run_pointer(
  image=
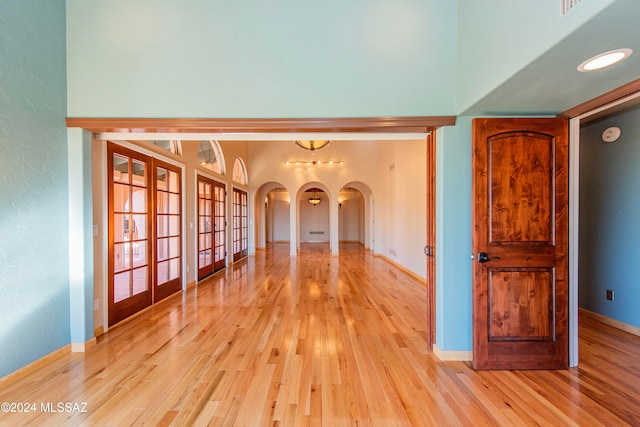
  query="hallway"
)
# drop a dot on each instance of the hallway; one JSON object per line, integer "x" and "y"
{"x": 314, "y": 340}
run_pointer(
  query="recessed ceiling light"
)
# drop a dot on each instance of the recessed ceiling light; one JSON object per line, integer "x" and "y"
{"x": 605, "y": 59}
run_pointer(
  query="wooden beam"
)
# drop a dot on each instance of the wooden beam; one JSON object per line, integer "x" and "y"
{"x": 264, "y": 125}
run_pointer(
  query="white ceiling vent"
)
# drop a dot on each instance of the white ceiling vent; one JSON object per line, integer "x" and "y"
{"x": 566, "y": 5}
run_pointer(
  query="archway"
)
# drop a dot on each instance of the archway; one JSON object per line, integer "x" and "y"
{"x": 313, "y": 218}
{"x": 355, "y": 214}
{"x": 272, "y": 214}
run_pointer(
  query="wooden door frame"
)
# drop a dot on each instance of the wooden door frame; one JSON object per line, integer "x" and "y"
{"x": 240, "y": 192}
{"x": 215, "y": 183}
{"x": 431, "y": 239}
{"x": 604, "y": 104}
{"x": 388, "y": 124}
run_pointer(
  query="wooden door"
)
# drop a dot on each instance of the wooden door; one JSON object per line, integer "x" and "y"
{"x": 168, "y": 232}
{"x": 520, "y": 243}
{"x": 219, "y": 226}
{"x": 211, "y": 227}
{"x": 129, "y": 233}
{"x": 240, "y": 225}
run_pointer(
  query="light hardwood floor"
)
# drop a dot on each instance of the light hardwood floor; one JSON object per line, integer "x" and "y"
{"x": 315, "y": 340}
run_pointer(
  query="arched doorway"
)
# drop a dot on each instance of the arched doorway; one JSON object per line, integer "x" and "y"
{"x": 272, "y": 215}
{"x": 313, "y": 215}
{"x": 355, "y": 214}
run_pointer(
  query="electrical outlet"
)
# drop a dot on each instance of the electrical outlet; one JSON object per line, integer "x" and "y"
{"x": 609, "y": 294}
{"x": 96, "y": 304}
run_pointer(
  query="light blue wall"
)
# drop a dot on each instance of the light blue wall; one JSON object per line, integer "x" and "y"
{"x": 254, "y": 58}
{"x": 34, "y": 278}
{"x": 609, "y": 247}
{"x": 498, "y": 38}
{"x": 453, "y": 237}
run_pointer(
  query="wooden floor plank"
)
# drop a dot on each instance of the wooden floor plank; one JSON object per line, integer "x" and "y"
{"x": 314, "y": 340}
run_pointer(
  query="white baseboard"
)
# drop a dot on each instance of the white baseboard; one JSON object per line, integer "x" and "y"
{"x": 452, "y": 356}
{"x": 611, "y": 322}
{"x": 81, "y": 347}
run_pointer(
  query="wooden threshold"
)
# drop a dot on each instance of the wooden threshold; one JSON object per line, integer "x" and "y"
{"x": 262, "y": 125}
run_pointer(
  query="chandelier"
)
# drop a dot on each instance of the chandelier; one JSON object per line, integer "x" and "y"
{"x": 312, "y": 144}
{"x": 315, "y": 199}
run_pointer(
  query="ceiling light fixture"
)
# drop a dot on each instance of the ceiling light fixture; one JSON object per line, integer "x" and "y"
{"x": 604, "y": 60}
{"x": 315, "y": 199}
{"x": 312, "y": 144}
{"x": 313, "y": 162}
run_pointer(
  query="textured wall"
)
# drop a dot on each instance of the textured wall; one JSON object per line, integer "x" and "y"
{"x": 34, "y": 277}
{"x": 251, "y": 58}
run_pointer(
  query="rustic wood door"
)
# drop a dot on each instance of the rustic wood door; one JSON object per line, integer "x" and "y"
{"x": 520, "y": 244}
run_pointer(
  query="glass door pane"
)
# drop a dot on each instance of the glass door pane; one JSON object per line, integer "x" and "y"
{"x": 219, "y": 226}
{"x": 211, "y": 227}
{"x": 168, "y": 215}
{"x": 205, "y": 227}
{"x": 240, "y": 224}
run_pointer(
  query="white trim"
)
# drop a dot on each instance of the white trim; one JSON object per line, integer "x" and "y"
{"x": 574, "y": 214}
{"x": 81, "y": 347}
{"x": 283, "y": 136}
{"x": 452, "y": 356}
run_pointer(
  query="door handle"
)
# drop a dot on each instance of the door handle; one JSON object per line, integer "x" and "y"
{"x": 429, "y": 251}
{"x": 484, "y": 257}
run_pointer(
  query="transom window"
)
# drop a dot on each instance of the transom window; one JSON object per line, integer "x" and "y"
{"x": 174, "y": 146}
{"x": 210, "y": 156}
{"x": 240, "y": 172}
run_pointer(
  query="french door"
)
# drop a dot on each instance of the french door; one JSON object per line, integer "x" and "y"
{"x": 168, "y": 233}
{"x": 212, "y": 227}
{"x": 240, "y": 225}
{"x": 145, "y": 236}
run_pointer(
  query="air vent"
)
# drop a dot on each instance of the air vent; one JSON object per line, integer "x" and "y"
{"x": 566, "y": 5}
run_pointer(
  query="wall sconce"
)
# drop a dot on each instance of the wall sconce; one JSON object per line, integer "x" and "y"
{"x": 339, "y": 205}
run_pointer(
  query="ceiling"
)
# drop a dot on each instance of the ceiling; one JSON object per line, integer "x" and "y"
{"x": 551, "y": 84}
